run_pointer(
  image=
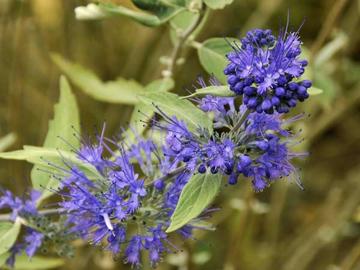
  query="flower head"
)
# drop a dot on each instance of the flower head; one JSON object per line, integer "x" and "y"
{"x": 259, "y": 150}
{"x": 125, "y": 208}
{"x": 265, "y": 69}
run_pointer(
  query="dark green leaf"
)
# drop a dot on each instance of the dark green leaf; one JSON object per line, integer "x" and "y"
{"x": 197, "y": 194}
{"x": 119, "y": 91}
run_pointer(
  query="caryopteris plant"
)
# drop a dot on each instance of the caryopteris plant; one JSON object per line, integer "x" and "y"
{"x": 130, "y": 193}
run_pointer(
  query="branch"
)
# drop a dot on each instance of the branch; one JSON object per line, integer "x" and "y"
{"x": 182, "y": 39}
{"x": 45, "y": 212}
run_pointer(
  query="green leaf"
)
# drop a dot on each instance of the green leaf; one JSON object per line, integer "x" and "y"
{"x": 23, "y": 262}
{"x": 184, "y": 110}
{"x": 220, "y": 91}
{"x": 120, "y": 91}
{"x": 159, "y": 11}
{"x": 42, "y": 156}
{"x": 142, "y": 110}
{"x": 184, "y": 19}
{"x": 66, "y": 120}
{"x": 217, "y": 4}
{"x": 323, "y": 80}
{"x": 180, "y": 22}
{"x": 197, "y": 194}
{"x": 212, "y": 56}
{"x": 3, "y": 258}
{"x": 7, "y": 141}
{"x": 313, "y": 91}
{"x": 8, "y": 235}
{"x": 160, "y": 85}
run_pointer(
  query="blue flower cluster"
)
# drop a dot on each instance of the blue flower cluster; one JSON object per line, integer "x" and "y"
{"x": 123, "y": 210}
{"x": 265, "y": 69}
{"x": 23, "y": 209}
{"x": 258, "y": 150}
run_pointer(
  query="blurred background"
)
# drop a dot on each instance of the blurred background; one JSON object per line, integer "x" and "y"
{"x": 280, "y": 228}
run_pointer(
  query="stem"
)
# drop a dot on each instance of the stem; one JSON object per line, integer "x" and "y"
{"x": 6, "y": 217}
{"x": 170, "y": 174}
{"x": 241, "y": 120}
{"x": 182, "y": 39}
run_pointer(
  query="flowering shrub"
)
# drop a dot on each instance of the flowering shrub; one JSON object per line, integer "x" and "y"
{"x": 127, "y": 195}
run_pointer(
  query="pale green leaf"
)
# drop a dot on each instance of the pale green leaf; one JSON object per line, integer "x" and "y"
{"x": 330, "y": 87}
{"x": 3, "y": 259}
{"x": 183, "y": 20}
{"x": 141, "y": 17}
{"x": 119, "y": 91}
{"x": 217, "y": 4}
{"x": 66, "y": 121}
{"x": 219, "y": 91}
{"x": 184, "y": 110}
{"x": 180, "y": 22}
{"x": 44, "y": 156}
{"x": 197, "y": 194}
{"x": 8, "y": 235}
{"x": 159, "y": 12}
{"x": 212, "y": 56}
{"x": 160, "y": 85}
{"x": 7, "y": 141}
{"x": 143, "y": 111}
{"x": 313, "y": 91}
{"x": 23, "y": 262}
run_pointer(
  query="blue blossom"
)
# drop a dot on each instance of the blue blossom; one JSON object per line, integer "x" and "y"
{"x": 221, "y": 107}
{"x": 18, "y": 206}
{"x": 258, "y": 38}
{"x": 33, "y": 240}
{"x": 15, "y": 250}
{"x": 265, "y": 69}
{"x": 259, "y": 150}
{"x": 128, "y": 208}
{"x": 24, "y": 209}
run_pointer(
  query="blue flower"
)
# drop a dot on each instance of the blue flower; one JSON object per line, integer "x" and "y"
{"x": 33, "y": 240}
{"x": 19, "y": 207}
{"x": 132, "y": 252}
{"x": 24, "y": 209}
{"x": 129, "y": 207}
{"x": 265, "y": 69}
{"x": 258, "y": 38}
{"x": 258, "y": 150}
